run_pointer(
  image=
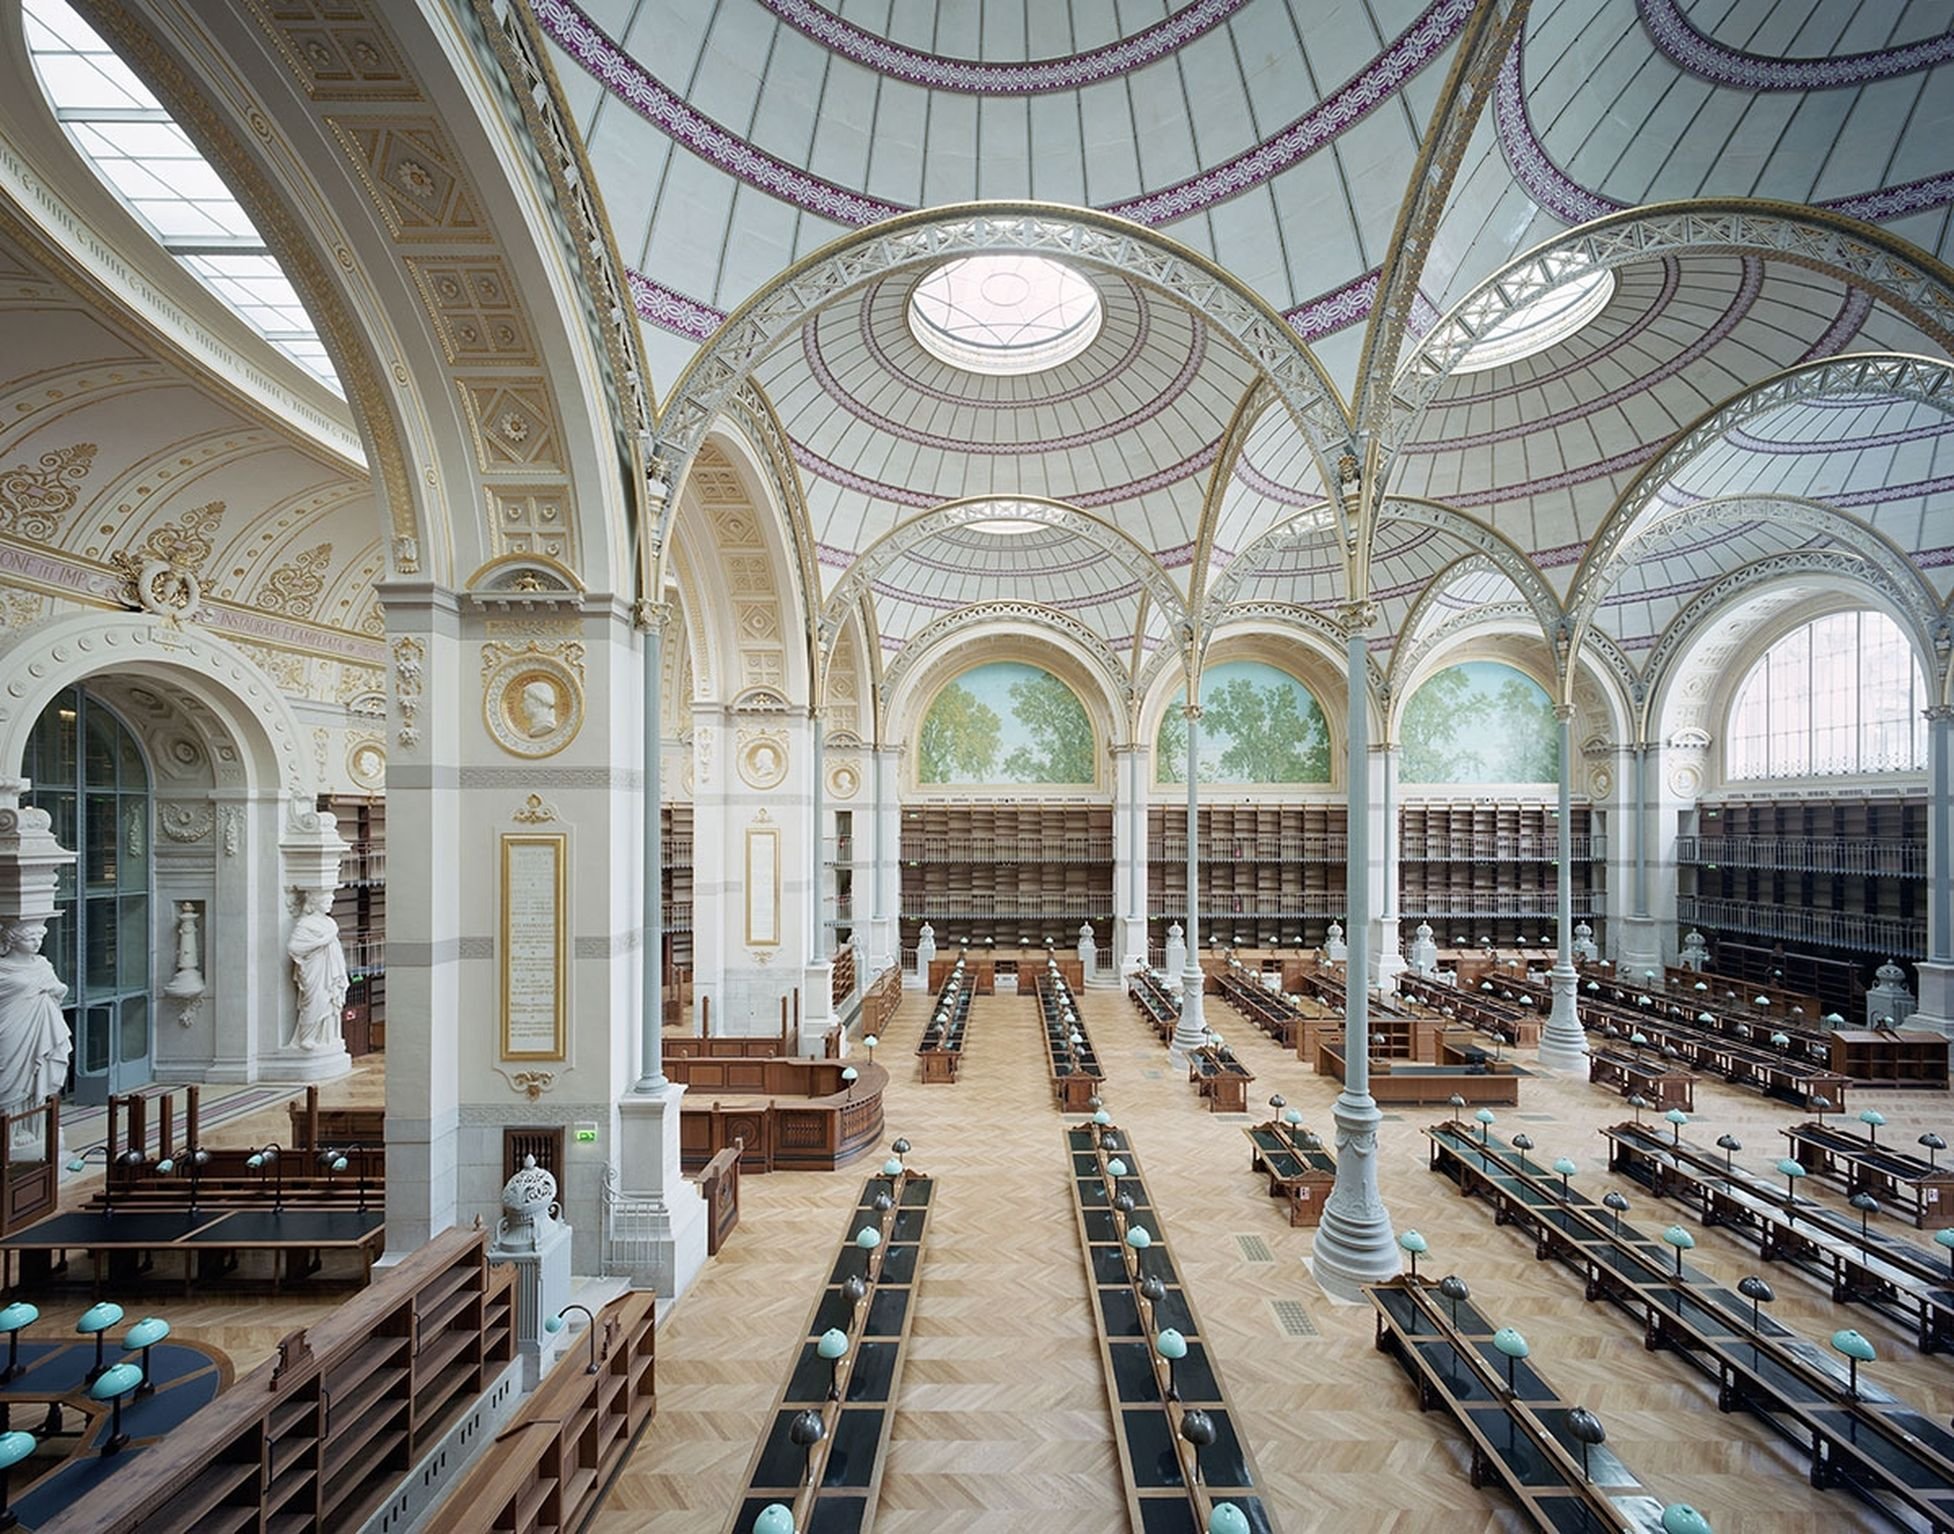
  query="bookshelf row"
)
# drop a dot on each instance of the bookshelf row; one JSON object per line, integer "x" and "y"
{"x": 359, "y": 906}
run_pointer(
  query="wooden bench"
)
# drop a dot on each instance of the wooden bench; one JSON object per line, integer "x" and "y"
{"x": 1856, "y": 1263}
{"x": 1165, "y": 1488}
{"x": 837, "y": 1482}
{"x": 1519, "y": 1431}
{"x": 1300, "y": 1170}
{"x": 1896, "y": 1457}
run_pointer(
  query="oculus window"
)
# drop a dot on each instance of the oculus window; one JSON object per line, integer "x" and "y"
{"x": 1838, "y": 696}
{"x": 1005, "y": 314}
{"x": 150, "y": 164}
{"x": 1545, "y": 321}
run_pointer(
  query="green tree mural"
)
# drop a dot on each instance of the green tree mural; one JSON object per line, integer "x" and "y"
{"x": 959, "y": 738}
{"x": 1258, "y": 725}
{"x": 1061, "y": 747}
{"x": 1480, "y": 722}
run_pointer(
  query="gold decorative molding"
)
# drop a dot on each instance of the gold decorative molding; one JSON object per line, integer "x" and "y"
{"x": 532, "y": 696}
{"x": 535, "y": 811}
{"x": 34, "y": 498}
{"x": 294, "y": 586}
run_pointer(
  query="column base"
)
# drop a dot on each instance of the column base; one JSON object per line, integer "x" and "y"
{"x": 1354, "y": 1244}
{"x": 1936, "y": 1009}
{"x": 648, "y": 1161}
{"x": 1130, "y": 944}
{"x": 1563, "y": 1042}
{"x": 1640, "y": 945}
{"x": 817, "y": 1009}
{"x": 1387, "y": 963}
{"x": 1191, "y": 1032}
{"x": 305, "y": 1065}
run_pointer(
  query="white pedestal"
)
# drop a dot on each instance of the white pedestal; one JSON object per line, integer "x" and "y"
{"x": 307, "y": 1065}
{"x": 648, "y": 1164}
{"x": 1936, "y": 1009}
{"x": 817, "y": 1009}
{"x": 542, "y": 1289}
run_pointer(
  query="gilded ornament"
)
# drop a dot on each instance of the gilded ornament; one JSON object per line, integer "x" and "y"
{"x": 532, "y": 696}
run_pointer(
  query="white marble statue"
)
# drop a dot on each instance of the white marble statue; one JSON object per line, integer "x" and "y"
{"x": 34, "y": 1042}
{"x": 319, "y": 971}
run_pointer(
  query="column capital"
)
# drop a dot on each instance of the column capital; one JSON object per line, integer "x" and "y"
{"x": 1190, "y": 711}
{"x": 1564, "y": 712}
{"x": 1938, "y": 713}
{"x": 1357, "y": 617}
{"x": 1129, "y": 748}
{"x": 650, "y": 617}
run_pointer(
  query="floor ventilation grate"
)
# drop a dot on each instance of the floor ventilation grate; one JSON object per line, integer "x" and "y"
{"x": 1536, "y": 1118}
{"x": 1293, "y": 1319}
{"x": 1255, "y": 1249}
{"x": 1154, "y": 1075}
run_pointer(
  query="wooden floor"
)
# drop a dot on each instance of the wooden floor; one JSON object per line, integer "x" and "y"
{"x": 1002, "y": 1424}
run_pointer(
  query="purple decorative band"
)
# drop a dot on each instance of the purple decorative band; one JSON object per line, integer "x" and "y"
{"x": 1881, "y": 495}
{"x": 1634, "y": 458}
{"x": 631, "y": 83}
{"x": 1845, "y": 325}
{"x": 902, "y": 495}
{"x": 1341, "y": 307}
{"x": 1934, "y": 559}
{"x": 1370, "y": 87}
{"x": 1740, "y": 305}
{"x": 1559, "y": 556}
{"x": 951, "y": 604}
{"x": 1704, "y": 56}
{"x": 1035, "y": 76}
{"x": 1738, "y": 437}
{"x": 624, "y": 77}
{"x": 873, "y": 343}
{"x": 1263, "y": 485}
{"x": 1567, "y": 200}
{"x": 671, "y": 310}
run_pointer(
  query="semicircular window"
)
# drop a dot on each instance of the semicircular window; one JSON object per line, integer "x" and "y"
{"x": 1005, "y": 314}
{"x": 1546, "y": 321}
{"x": 1837, "y": 696}
{"x": 1480, "y": 722}
{"x": 149, "y": 162}
{"x": 1259, "y": 725}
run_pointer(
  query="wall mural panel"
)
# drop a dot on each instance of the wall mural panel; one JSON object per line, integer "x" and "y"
{"x": 1007, "y": 722}
{"x": 1258, "y": 725}
{"x": 1480, "y": 722}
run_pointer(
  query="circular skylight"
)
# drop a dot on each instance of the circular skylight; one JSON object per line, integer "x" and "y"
{"x": 1533, "y": 327}
{"x": 1004, "y": 314}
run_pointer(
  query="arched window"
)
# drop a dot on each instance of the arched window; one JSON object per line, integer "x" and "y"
{"x": 1840, "y": 695}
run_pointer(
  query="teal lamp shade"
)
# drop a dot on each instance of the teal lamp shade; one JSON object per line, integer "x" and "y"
{"x": 1942, "y": 1237}
{"x": 892, "y": 1168}
{"x": 833, "y": 1344}
{"x": 1705, "y": 1017}
{"x": 17, "y": 1315}
{"x": 1138, "y": 1237}
{"x": 1566, "y": 1166}
{"x": 339, "y": 1162}
{"x": 1854, "y": 1346}
{"x": 1700, "y": 986}
{"x": 1760, "y": 1001}
{"x": 775, "y": 1518}
{"x": 1681, "y": 1518}
{"x": 1832, "y": 1020}
{"x": 1116, "y": 1168}
{"x": 870, "y": 1040}
{"x": 1170, "y": 1344}
{"x": 166, "y": 1166}
{"x": 1789, "y": 1168}
{"x": 146, "y": 1333}
{"x": 1101, "y": 1116}
{"x": 1227, "y": 1519}
{"x": 1485, "y": 1115}
{"x": 1677, "y": 1117}
{"x": 1594, "y": 985}
{"x": 116, "y": 1380}
{"x": 554, "y": 1324}
{"x": 1872, "y": 1117}
{"x": 75, "y": 1163}
{"x": 1291, "y": 1117}
{"x": 1781, "y": 1039}
{"x": 849, "y": 1073}
{"x": 1510, "y": 1342}
{"x": 15, "y": 1447}
{"x": 868, "y": 1238}
{"x": 1679, "y": 1238}
{"x": 1638, "y": 1038}
{"x": 98, "y": 1318}
{"x": 1413, "y": 1241}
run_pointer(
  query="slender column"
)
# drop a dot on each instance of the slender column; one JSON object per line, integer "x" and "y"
{"x": 651, "y": 1022}
{"x": 817, "y": 944}
{"x": 1387, "y": 956}
{"x": 1642, "y": 829}
{"x": 1563, "y": 1046}
{"x": 1936, "y": 973}
{"x": 1354, "y": 1244}
{"x": 1192, "y": 1029}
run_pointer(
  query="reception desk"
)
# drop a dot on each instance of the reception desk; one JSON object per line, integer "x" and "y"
{"x": 795, "y": 1114}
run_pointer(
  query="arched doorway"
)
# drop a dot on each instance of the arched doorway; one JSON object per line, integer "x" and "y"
{"x": 90, "y": 775}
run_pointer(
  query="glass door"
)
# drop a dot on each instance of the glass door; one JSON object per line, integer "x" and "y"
{"x": 89, "y": 774}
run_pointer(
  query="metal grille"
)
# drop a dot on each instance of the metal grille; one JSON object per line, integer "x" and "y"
{"x": 633, "y": 1222}
{"x": 1255, "y": 1249}
{"x": 1293, "y": 1319}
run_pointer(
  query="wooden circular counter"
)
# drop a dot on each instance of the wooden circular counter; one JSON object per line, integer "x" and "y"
{"x": 795, "y": 1113}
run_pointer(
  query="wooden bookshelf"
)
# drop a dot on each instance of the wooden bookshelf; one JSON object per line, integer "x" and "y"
{"x": 1015, "y": 873}
{"x": 316, "y": 1438}
{"x": 360, "y": 907}
{"x": 1811, "y": 894}
{"x": 1484, "y": 868}
{"x": 1272, "y": 876}
{"x": 675, "y": 821}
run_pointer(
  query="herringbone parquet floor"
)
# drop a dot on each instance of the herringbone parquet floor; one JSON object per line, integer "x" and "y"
{"x": 1003, "y": 1425}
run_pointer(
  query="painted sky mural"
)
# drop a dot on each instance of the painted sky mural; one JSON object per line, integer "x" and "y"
{"x": 1480, "y": 722}
{"x": 1006, "y": 722}
{"x": 1258, "y": 725}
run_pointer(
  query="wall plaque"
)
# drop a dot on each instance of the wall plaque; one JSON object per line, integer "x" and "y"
{"x": 535, "y": 928}
{"x": 762, "y": 886}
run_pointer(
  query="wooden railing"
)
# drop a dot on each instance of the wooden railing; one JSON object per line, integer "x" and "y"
{"x": 842, "y": 985}
{"x": 313, "y": 1440}
{"x": 550, "y": 1467}
{"x": 880, "y": 1000}
{"x": 719, "y": 1186}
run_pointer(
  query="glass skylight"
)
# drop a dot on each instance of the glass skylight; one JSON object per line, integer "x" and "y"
{"x": 153, "y": 168}
{"x": 1534, "y": 327}
{"x": 1005, "y": 314}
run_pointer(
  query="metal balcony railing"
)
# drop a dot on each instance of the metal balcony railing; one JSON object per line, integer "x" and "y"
{"x": 676, "y": 851}
{"x": 1583, "y": 848}
{"x": 1895, "y": 937}
{"x": 1325, "y": 848}
{"x": 1806, "y": 854}
{"x": 1510, "y": 905}
{"x": 363, "y": 863}
{"x": 1007, "y": 849}
{"x": 994, "y": 913}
